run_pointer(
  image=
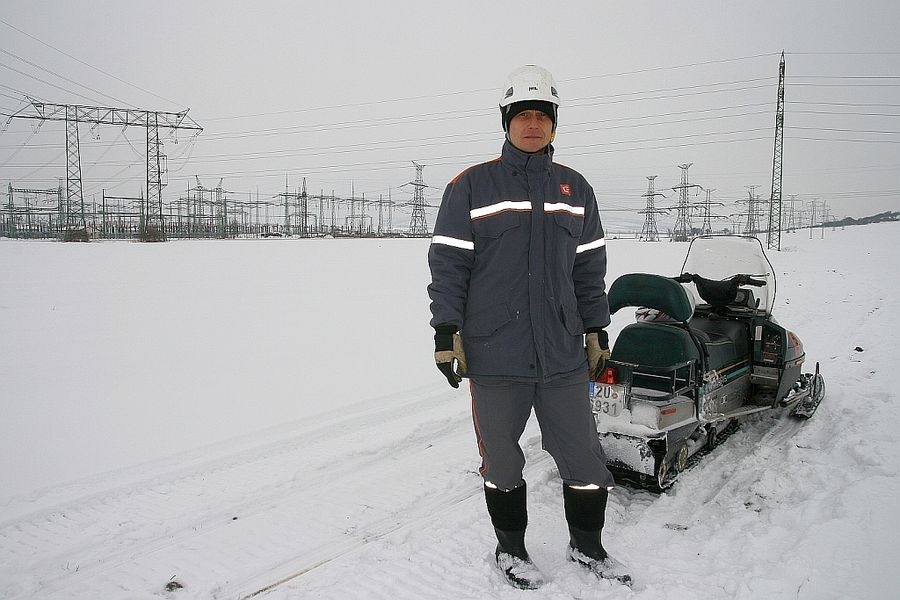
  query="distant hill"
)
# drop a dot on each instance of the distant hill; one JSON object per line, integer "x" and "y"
{"x": 879, "y": 218}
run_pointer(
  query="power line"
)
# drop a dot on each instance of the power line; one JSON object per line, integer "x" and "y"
{"x": 78, "y": 60}
{"x": 675, "y": 67}
{"x": 734, "y": 134}
{"x": 844, "y": 140}
{"x": 847, "y": 53}
{"x": 53, "y": 85}
{"x": 64, "y": 78}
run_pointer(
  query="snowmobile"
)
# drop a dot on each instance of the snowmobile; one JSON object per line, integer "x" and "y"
{"x": 703, "y": 354}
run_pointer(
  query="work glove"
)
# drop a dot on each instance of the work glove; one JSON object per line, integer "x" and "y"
{"x": 449, "y": 355}
{"x": 596, "y": 343}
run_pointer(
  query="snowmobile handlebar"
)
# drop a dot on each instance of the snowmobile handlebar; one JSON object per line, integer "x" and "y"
{"x": 748, "y": 280}
{"x": 719, "y": 293}
{"x": 739, "y": 280}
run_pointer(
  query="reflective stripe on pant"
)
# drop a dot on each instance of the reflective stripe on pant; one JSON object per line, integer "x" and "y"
{"x": 500, "y": 411}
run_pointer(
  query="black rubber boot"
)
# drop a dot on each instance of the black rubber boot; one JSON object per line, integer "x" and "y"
{"x": 509, "y": 516}
{"x": 586, "y": 515}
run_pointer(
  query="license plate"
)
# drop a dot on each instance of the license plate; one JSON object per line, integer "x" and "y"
{"x": 608, "y": 399}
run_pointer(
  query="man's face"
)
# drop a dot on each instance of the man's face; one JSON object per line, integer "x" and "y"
{"x": 530, "y": 130}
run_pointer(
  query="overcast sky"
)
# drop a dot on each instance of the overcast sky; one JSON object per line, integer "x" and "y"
{"x": 348, "y": 93}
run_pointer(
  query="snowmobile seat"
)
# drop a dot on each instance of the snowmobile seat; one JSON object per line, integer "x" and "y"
{"x": 727, "y": 342}
{"x": 663, "y": 345}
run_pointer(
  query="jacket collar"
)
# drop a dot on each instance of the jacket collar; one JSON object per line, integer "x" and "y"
{"x": 523, "y": 161}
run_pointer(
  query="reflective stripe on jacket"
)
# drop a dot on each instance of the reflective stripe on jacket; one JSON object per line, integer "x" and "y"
{"x": 518, "y": 261}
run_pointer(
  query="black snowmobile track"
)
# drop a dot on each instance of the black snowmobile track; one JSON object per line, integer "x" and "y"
{"x": 650, "y": 484}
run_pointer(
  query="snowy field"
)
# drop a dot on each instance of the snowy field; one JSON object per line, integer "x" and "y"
{"x": 263, "y": 418}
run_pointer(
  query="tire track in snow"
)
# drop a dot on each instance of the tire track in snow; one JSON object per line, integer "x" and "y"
{"x": 431, "y": 507}
{"x": 261, "y": 584}
{"x": 729, "y": 470}
{"x": 172, "y": 509}
{"x": 738, "y": 460}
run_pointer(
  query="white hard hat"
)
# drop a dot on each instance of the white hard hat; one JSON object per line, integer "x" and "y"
{"x": 528, "y": 88}
{"x": 530, "y": 82}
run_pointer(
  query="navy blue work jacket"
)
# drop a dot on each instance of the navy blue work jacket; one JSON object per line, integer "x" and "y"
{"x": 518, "y": 261}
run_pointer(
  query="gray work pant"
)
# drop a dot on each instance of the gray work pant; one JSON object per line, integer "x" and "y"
{"x": 500, "y": 411}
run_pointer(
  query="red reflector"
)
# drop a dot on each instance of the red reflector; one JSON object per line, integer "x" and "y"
{"x": 608, "y": 376}
{"x": 668, "y": 411}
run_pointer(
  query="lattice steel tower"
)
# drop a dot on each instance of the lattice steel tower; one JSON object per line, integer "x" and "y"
{"x": 650, "y": 233}
{"x": 791, "y": 224}
{"x": 752, "y": 226}
{"x": 706, "y": 228}
{"x": 417, "y": 223}
{"x": 683, "y": 227}
{"x": 74, "y": 226}
{"x": 773, "y": 238}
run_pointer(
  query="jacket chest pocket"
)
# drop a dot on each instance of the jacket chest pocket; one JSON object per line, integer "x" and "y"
{"x": 571, "y": 224}
{"x": 495, "y": 226}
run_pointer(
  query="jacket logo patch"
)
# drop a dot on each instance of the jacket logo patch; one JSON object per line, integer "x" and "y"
{"x": 565, "y": 189}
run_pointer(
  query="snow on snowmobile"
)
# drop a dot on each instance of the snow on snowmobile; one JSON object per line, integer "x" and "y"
{"x": 704, "y": 353}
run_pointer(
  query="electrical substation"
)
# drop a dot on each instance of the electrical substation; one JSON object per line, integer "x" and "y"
{"x": 206, "y": 210}
{"x": 200, "y": 211}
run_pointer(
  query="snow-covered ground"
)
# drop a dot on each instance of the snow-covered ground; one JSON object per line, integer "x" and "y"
{"x": 263, "y": 419}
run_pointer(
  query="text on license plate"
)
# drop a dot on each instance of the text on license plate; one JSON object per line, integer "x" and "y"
{"x": 608, "y": 399}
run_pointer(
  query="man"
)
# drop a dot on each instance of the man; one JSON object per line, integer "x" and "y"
{"x": 518, "y": 261}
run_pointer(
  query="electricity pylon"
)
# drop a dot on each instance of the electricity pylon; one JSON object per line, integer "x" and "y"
{"x": 683, "y": 228}
{"x": 752, "y": 226}
{"x": 706, "y": 228}
{"x": 773, "y": 238}
{"x": 791, "y": 224}
{"x": 417, "y": 223}
{"x": 650, "y": 233}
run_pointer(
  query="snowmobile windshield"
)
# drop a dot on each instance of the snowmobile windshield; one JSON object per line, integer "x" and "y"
{"x": 723, "y": 257}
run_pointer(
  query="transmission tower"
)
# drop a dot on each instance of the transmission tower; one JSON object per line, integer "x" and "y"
{"x": 417, "y": 223}
{"x": 384, "y": 221}
{"x": 75, "y": 227}
{"x": 812, "y": 216}
{"x": 706, "y": 228}
{"x": 792, "y": 218}
{"x": 773, "y": 238}
{"x": 304, "y": 210}
{"x": 650, "y": 233}
{"x": 683, "y": 228}
{"x": 752, "y": 225}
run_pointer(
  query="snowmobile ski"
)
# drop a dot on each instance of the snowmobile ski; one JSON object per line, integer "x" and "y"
{"x": 806, "y": 407}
